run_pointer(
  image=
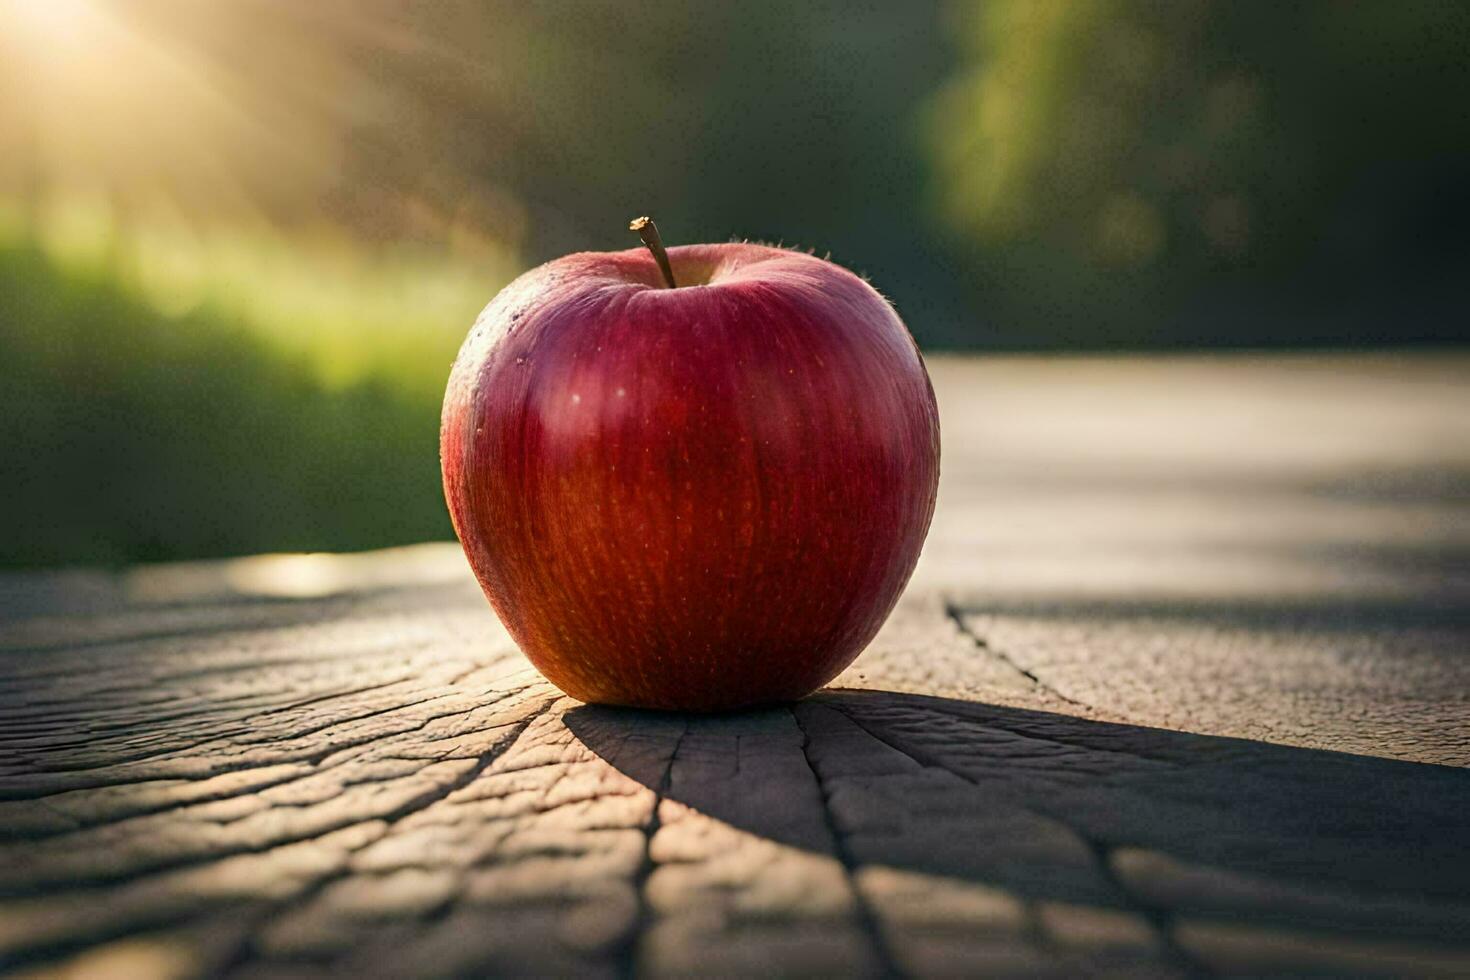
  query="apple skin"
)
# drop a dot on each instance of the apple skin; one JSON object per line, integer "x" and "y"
{"x": 700, "y": 498}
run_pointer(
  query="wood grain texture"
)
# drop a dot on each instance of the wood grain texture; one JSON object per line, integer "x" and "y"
{"x": 1180, "y": 689}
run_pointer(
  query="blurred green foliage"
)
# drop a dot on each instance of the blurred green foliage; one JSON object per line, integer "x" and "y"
{"x": 125, "y": 435}
{"x": 240, "y": 241}
{"x": 1138, "y": 172}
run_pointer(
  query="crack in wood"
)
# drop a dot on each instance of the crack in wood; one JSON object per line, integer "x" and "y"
{"x": 627, "y": 955}
{"x": 957, "y": 616}
{"x": 1021, "y": 731}
{"x": 412, "y": 807}
{"x": 43, "y": 953}
{"x": 868, "y": 920}
{"x": 1159, "y": 919}
{"x": 314, "y": 758}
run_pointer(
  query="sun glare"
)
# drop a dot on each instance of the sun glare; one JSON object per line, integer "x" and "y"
{"x": 54, "y": 28}
{"x": 184, "y": 151}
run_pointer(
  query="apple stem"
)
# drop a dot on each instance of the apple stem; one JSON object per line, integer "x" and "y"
{"x": 648, "y": 231}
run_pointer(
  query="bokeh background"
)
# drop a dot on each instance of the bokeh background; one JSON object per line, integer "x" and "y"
{"x": 240, "y": 241}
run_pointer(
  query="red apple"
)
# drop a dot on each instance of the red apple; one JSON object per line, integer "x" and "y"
{"x": 698, "y": 497}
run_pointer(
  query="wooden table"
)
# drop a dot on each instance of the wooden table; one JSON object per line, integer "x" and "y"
{"x": 1182, "y": 687}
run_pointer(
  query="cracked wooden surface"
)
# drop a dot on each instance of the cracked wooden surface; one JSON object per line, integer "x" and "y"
{"x": 1182, "y": 693}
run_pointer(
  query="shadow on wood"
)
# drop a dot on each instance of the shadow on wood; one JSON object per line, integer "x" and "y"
{"x": 1046, "y": 808}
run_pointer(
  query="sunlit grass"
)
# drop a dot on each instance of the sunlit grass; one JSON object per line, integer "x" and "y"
{"x": 172, "y": 389}
{"x": 351, "y": 311}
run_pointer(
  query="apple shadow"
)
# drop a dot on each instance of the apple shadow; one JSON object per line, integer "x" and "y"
{"x": 1050, "y": 807}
